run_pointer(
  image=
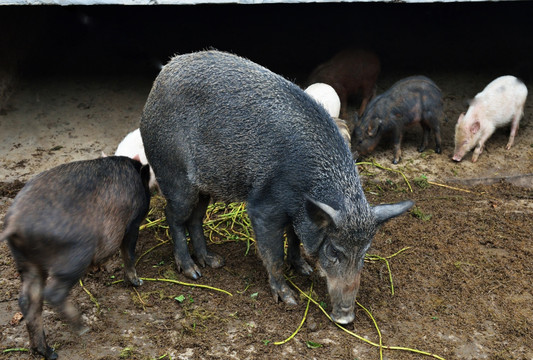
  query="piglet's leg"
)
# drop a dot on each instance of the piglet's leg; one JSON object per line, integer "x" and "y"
{"x": 56, "y": 293}
{"x": 127, "y": 249}
{"x": 477, "y": 151}
{"x": 31, "y": 305}
{"x": 398, "y": 136}
{"x": 514, "y": 130}
{"x": 425, "y": 138}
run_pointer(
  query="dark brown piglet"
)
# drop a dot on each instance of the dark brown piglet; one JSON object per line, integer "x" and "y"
{"x": 410, "y": 101}
{"x": 352, "y": 73}
{"x": 67, "y": 219}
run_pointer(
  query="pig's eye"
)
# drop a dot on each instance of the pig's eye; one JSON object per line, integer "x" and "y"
{"x": 333, "y": 253}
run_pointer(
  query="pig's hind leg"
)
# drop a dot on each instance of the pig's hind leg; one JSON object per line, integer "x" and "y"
{"x": 425, "y": 137}
{"x": 196, "y": 231}
{"x": 31, "y": 305}
{"x": 426, "y": 127}
{"x": 514, "y": 129}
{"x": 182, "y": 199}
{"x": 127, "y": 249}
{"x": 56, "y": 292}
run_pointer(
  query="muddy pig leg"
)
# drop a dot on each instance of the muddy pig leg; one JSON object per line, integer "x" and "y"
{"x": 489, "y": 130}
{"x": 31, "y": 305}
{"x": 477, "y": 151}
{"x": 127, "y": 249}
{"x": 269, "y": 227}
{"x": 397, "y": 136}
{"x": 294, "y": 256}
{"x": 196, "y": 231}
{"x": 438, "y": 140}
{"x": 514, "y": 130}
{"x": 366, "y": 98}
{"x": 182, "y": 198}
{"x": 56, "y": 293}
{"x": 425, "y": 137}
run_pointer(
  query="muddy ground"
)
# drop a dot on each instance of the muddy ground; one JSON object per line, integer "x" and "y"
{"x": 462, "y": 286}
{"x": 462, "y": 290}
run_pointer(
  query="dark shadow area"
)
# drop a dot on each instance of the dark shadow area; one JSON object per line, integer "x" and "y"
{"x": 290, "y": 39}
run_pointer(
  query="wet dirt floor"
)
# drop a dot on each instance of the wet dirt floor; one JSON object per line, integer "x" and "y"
{"x": 462, "y": 287}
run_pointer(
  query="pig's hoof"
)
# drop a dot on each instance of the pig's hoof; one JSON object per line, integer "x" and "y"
{"x": 438, "y": 150}
{"x": 286, "y": 295}
{"x": 48, "y": 353}
{"x": 136, "y": 281}
{"x": 396, "y": 161}
{"x": 191, "y": 271}
{"x": 302, "y": 267}
{"x": 211, "y": 259}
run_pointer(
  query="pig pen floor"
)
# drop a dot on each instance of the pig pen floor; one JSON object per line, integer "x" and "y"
{"x": 462, "y": 289}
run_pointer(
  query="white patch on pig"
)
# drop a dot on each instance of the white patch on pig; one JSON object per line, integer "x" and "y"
{"x": 131, "y": 146}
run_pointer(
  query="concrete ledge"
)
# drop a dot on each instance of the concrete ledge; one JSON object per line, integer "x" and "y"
{"x": 197, "y": 2}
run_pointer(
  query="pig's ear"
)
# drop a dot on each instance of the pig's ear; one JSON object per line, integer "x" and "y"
{"x": 321, "y": 214}
{"x": 474, "y": 128}
{"x": 461, "y": 117}
{"x": 388, "y": 211}
{"x": 137, "y": 157}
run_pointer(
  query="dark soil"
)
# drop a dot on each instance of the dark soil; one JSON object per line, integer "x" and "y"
{"x": 462, "y": 290}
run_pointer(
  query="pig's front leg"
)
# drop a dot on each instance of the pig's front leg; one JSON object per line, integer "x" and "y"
{"x": 268, "y": 225}
{"x": 477, "y": 151}
{"x": 397, "y": 135}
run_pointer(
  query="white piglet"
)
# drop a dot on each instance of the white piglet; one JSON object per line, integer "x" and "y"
{"x": 326, "y": 96}
{"x": 132, "y": 145}
{"x": 502, "y": 101}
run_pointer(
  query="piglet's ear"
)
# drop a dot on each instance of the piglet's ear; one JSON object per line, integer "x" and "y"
{"x": 373, "y": 128}
{"x": 137, "y": 158}
{"x": 474, "y": 128}
{"x": 388, "y": 211}
{"x": 321, "y": 214}
{"x": 461, "y": 117}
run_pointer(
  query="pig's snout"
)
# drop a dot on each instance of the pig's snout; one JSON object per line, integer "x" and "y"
{"x": 343, "y": 296}
{"x": 457, "y": 158}
{"x": 343, "y": 315}
{"x": 458, "y": 155}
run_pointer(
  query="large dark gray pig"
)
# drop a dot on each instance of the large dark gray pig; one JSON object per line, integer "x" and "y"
{"x": 410, "y": 101}
{"x": 67, "y": 218}
{"x": 217, "y": 125}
